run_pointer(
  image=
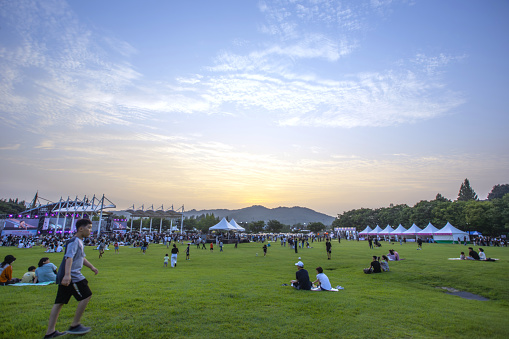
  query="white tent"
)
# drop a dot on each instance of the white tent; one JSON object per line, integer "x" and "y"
{"x": 223, "y": 225}
{"x": 414, "y": 230}
{"x": 375, "y": 231}
{"x": 429, "y": 230}
{"x": 399, "y": 231}
{"x": 237, "y": 226}
{"x": 366, "y": 230}
{"x": 449, "y": 234}
{"x": 387, "y": 231}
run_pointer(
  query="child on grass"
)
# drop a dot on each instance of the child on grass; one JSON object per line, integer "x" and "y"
{"x": 72, "y": 283}
{"x": 29, "y": 277}
{"x": 166, "y": 258}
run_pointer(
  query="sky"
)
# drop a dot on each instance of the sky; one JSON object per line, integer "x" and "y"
{"x": 330, "y": 105}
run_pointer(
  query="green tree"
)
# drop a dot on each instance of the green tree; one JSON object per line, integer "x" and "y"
{"x": 274, "y": 226}
{"x": 466, "y": 192}
{"x": 441, "y": 198}
{"x": 316, "y": 227}
{"x": 256, "y": 226}
{"x": 498, "y": 191}
{"x": 204, "y": 222}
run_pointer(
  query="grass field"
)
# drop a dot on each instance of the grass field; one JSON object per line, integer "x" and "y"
{"x": 238, "y": 294}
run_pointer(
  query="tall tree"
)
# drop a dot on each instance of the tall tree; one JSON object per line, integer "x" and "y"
{"x": 274, "y": 226}
{"x": 498, "y": 191}
{"x": 466, "y": 192}
{"x": 316, "y": 227}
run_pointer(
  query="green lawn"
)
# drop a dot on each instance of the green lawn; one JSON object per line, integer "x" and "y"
{"x": 238, "y": 294}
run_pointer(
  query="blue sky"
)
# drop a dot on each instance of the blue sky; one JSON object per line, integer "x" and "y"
{"x": 331, "y": 105}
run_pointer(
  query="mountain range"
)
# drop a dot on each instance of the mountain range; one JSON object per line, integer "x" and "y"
{"x": 285, "y": 215}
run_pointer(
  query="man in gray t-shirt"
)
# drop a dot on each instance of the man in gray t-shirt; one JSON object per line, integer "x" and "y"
{"x": 72, "y": 282}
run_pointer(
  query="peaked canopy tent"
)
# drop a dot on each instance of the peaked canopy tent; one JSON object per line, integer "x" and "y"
{"x": 428, "y": 230}
{"x": 366, "y": 230}
{"x": 387, "y": 231}
{"x": 223, "y": 225}
{"x": 399, "y": 230}
{"x": 412, "y": 231}
{"x": 450, "y": 234}
{"x": 375, "y": 231}
{"x": 237, "y": 226}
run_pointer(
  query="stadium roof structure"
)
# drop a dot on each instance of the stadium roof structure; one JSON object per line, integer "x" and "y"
{"x": 141, "y": 212}
{"x": 75, "y": 206}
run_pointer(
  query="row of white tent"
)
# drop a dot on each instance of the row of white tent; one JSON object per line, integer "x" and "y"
{"x": 446, "y": 234}
{"x": 224, "y": 225}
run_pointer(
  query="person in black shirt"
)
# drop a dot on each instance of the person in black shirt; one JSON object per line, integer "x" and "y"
{"x": 328, "y": 247}
{"x": 301, "y": 281}
{"x": 472, "y": 255}
{"x": 375, "y": 265}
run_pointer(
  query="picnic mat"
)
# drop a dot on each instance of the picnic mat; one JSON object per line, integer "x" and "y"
{"x": 46, "y": 283}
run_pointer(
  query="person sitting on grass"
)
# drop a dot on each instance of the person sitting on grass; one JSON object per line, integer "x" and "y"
{"x": 301, "y": 281}
{"x": 393, "y": 255}
{"x": 29, "y": 277}
{"x": 46, "y": 271}
{"x": 482, "y": 256}
{"x": 472, "y": 255}
{"x": 375, "y": 267}
{"x": 462, "y": 256}
{"x": 6, "y": 271}
{"x": 384, "y": 263}
{"x": 322, "y": 280}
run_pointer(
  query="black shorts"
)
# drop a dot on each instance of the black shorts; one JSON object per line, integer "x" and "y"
{"x": 79, "y": 290}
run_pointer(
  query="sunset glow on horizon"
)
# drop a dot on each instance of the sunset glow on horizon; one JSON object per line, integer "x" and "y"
{"x": 330, "y": 105}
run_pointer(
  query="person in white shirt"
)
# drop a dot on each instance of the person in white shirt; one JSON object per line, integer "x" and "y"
{"x": 482, "y": 255}
{"x": 322, "y": 280}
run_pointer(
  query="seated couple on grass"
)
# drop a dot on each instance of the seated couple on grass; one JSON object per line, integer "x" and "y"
{"x": 302, "y": 281}
{"x": 473, "y": 255}
{"x": 377, "y": 265}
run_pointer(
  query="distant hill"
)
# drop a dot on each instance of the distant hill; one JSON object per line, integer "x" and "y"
{"x": 285, "y": 215}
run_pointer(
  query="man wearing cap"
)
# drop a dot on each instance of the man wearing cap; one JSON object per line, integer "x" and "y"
{"x": 301, "y": 281}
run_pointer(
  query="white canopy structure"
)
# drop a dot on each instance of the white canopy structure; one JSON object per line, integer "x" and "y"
{"x": 387, "y": 231}
{"x": 237, "y": 226}
{"x": 366, "y": 230}
{"x": 399, "y": 231}
{"x": 223, "y": 225}
{"x": 375, "y": 231}
{"x": 449, "y": 234}
{"x": 414, "y": 230}
{"x": 428, "y": 230}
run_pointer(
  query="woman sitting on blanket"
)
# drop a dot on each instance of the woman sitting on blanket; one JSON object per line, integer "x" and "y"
{"x": 482, "y": 255}
{"x": 46, "y": 271}
{"x": 322, "y": 280}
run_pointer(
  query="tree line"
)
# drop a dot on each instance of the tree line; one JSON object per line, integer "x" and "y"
{"x": 490, "y": 217}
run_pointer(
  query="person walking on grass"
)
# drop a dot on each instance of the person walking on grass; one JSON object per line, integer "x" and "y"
{"x": 328, "y": 248}
{"x": 174, "y": 254}
{"x": 264, "y": 250}
{"x": 221, "y": 246}
{"x": 71, "y": 282}
{"x": 211, "y": 247}
{"x": 187, "y": 251}
{"x": 166, "y": 258}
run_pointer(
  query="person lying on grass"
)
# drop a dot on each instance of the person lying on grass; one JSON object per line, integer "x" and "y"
{"x": 322, "y": 280}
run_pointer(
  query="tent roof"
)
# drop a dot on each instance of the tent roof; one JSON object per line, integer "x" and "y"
{"x": 449, "y": 229}
{"x": 366, "y": 230}
{"x": 428, "y": 230}
{"x": 140, "y": 213}
{"x": 237, "y": 226}
{"x": 412, "y": 230}
{"x": 400, "y": 230}
{"x": 376, "y": 230}
{"x": 223, "y": 225}
{"x": 387, "y": 230}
